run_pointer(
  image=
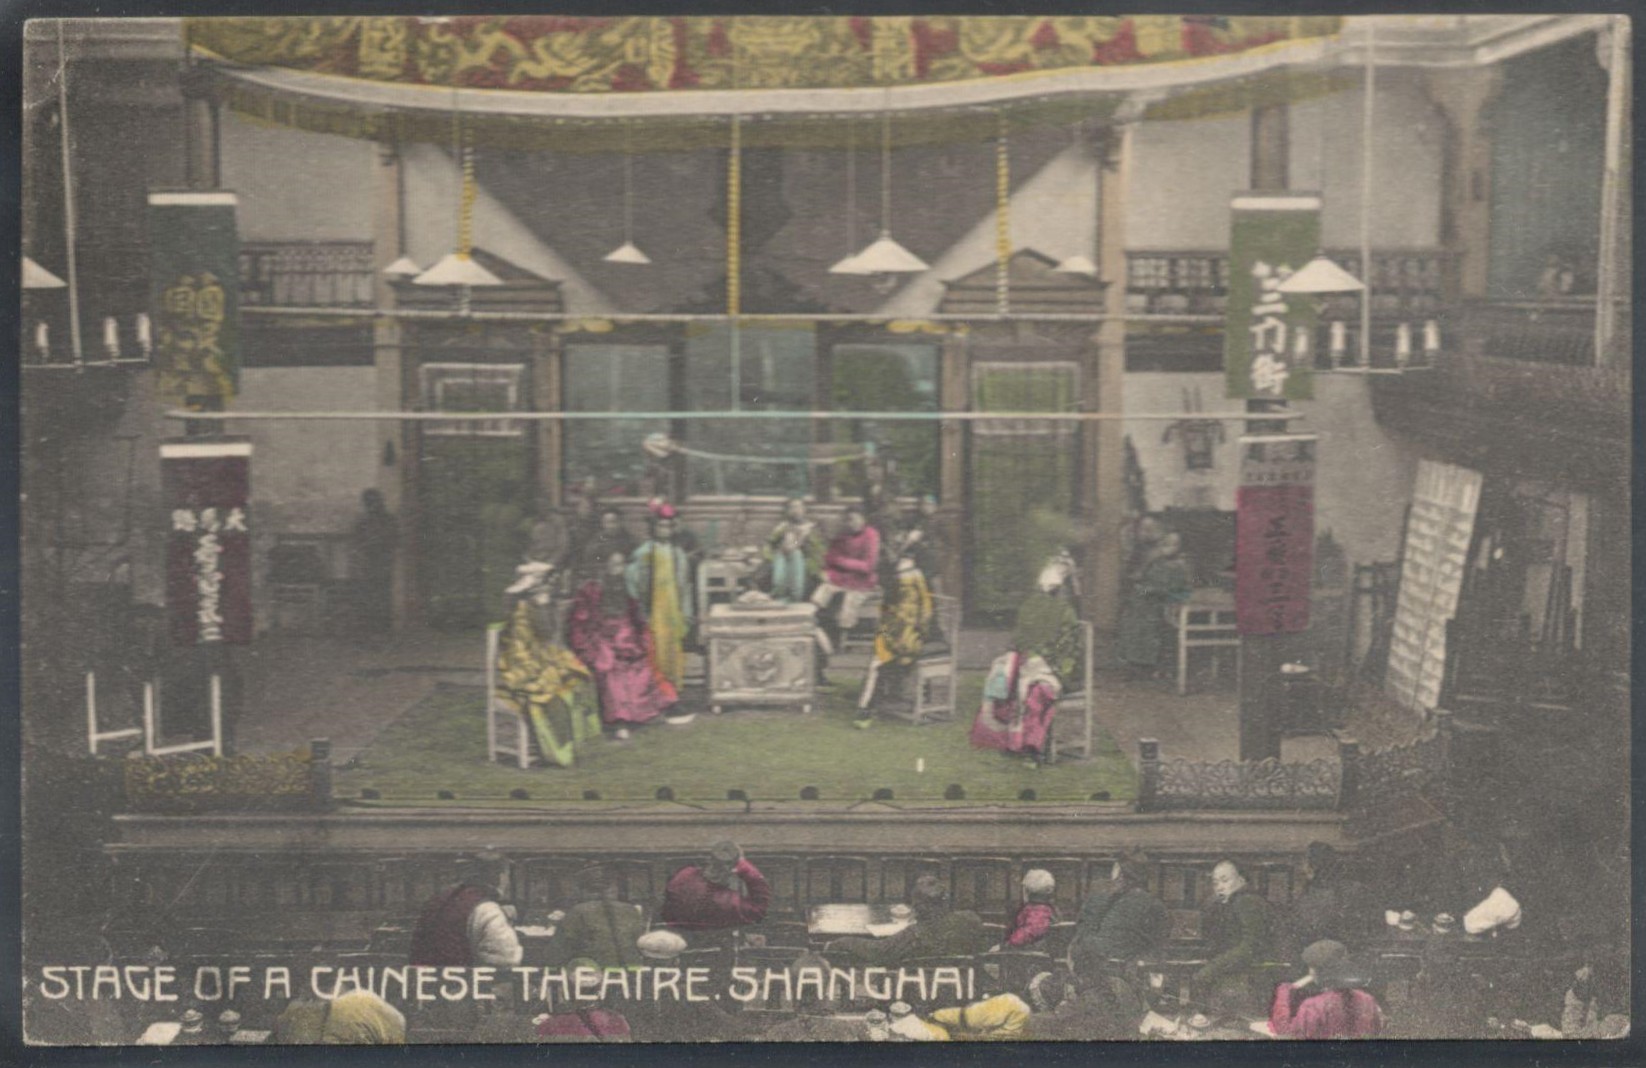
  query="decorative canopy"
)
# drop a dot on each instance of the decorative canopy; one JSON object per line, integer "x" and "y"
{"x": 373, "y": 76}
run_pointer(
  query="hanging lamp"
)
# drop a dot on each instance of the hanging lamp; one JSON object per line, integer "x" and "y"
{"x": 1320, "y": 277}
{"x": 37, "y": 277}
{"x": 458, "y": 268}
{"x": 849, "y": 264}
{"x": 628, "y": 252}
{"x": 404, "y": 267}
{"x": 884, "y": 255}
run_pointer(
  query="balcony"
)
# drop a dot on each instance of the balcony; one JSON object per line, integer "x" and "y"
{"x": 1518, "y": 388}
{"x": 306, "y": 274}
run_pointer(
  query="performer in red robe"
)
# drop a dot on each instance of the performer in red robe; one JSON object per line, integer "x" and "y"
{"x": 1019, "y": 701}
{"x": 610, "y": 637}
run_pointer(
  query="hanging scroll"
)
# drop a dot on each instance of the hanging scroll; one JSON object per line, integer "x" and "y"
{"x": 207, "y": 490}
{"x": 1266, "y": 337}
{"x": 195, "y": 274}
{"x": 1274, "y": 533}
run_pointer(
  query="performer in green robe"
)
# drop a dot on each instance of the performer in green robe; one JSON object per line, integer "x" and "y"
{"x": 1047, "y": 625}
{"x": 659, "y": 578}
{"x": 1162, "y": 581}
{"x": 540, "y": 677}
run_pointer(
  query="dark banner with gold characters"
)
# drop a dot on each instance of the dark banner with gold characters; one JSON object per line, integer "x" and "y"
{"x": 194, "y": 250}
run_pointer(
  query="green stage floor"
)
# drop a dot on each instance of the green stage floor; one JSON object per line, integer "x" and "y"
{"x": 440, "y": 745}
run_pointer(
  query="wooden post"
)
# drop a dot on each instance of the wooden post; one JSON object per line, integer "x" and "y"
{"x": 1461, "y": 95}
{"x": 320, "y": 784}
{"x": 548, "y": 394}
{"x": 395, "y": 440}
{"x": 952, "y": 492}
{"x": 1148, "y": 777}
{"x": 1106, "y": 474}
{"x": 216, "y": 691}
{"x": 1348, "y": 755}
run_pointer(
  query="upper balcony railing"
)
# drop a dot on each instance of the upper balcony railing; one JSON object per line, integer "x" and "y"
{"x": 307, "y": 274}
{"x": 1406, "y": 284}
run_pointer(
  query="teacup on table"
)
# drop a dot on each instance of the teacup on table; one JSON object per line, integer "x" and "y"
{"x": 902, "y": 912}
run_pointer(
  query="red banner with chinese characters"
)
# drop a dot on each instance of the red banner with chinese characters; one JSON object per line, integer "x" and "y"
{"x": 1274, "y": 533}
{"x": 207, "y": 486}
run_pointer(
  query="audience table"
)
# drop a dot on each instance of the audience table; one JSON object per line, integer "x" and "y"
{"x": 839, "y": 921}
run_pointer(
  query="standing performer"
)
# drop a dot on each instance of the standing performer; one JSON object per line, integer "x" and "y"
{"x": 1162, "y": 581}
{"x": 659, "y": 578}
{"x": 1047, "y": 625}
{"x": 609, "y": 635}
{"x": 900, "y": 637}
{"x": 795, "y": 549}
{"x": 541, "y": 678}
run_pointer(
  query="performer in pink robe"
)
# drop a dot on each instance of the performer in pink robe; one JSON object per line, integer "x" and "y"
{"x": 1019, "y": 701}
{"x": 609, "y": 636}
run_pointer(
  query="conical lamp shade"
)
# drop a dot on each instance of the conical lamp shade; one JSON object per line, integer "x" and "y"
{"x": 457, "y": 269}
{"x": 627, "y": 252}
{"x": 1320, "y": 276}
{"x": 404, "y": 267}
{"x": 1077, "y": 265}
{"x": 886, "y": 256}
{"x": 850, "y": 265}
{"x": 37, "y": 277}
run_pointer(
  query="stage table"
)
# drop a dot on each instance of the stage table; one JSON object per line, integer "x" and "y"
{"x": 840, "y": 921}
{"x": 761, "y": 654}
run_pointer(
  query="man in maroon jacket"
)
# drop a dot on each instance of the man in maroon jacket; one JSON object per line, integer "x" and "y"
{"x": 465, "y": 925}
{"x": 724, "y": 891}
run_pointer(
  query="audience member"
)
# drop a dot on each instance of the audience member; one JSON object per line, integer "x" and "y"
{"x": 722, "y": 892}
{"x": 938, "y": 931}
{"x": 1332, "y": 905}
{"x": 1236, "y": 928}
{"x": 582, "y": 1020}
{"x": 1328, "y": 1001}
{"x": 466, "y": 925}
{"x": 1119, "y": 923}
{"x": 355, "y": 1018}
{"x": 1035, "y": 917}
{"x": 999, "y": 1018}
{"x": 601, "y": 927}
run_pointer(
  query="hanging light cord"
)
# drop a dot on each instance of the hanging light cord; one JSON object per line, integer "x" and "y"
{"x": 628, "y": 182}
{"x": 885, "y": 173}
{"x": 1002, "y": 219}
{"x": 851, "y": 187}
{"x": 734, "y": 223}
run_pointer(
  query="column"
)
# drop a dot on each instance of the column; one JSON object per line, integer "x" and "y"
{"x": 954, "y": 506}
{"x": 1104, "y": 442}
{"x": 396, "y": 440}
{"x": 1271, "y": 146}
{"x": 200, "y": 131}
{"x": 548, "y": 348}
{"x": 1466, "y": 178}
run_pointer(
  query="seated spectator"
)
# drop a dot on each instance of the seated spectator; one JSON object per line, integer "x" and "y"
{"x": 1326, "y": 1003}
{"x": 1237, "y": 931}
{"x": 723, "y": 892}
{"x": 938, "y": 931}
{"x": 1122, "y": 922}
{"x": 466, "y": 925}
{"x": 582, "y": 1020}
{"x": 602, "y": 927}
{"x": 1035, "y": 918}
{"x": 1083, "y": 1007}
{"x": 1002, "y": 1017}
{"x": 1332, "y": 905}
{"x": 355, "y": 1018}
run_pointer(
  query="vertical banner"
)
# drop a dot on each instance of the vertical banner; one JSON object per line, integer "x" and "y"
{"x": 195, "y": 277}
{"x": 1267, "y": 339}
{"x": 1274, "y": 533}
{"x": 207, "y": 487}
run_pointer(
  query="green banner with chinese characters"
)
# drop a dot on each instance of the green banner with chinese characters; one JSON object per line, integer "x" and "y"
{"x": 1268, "y": 337}
{"x": 194, "y": 257}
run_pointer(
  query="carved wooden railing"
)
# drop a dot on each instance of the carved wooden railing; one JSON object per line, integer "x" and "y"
{"x": 1241, "y": 785}
{"x": 1406, "y": 284}
{"x": 307, "y": 274}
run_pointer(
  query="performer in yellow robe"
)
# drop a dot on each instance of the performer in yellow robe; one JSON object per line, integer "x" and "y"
{"x": 543, "y": 679}
{"x": 659, "y": 579}
{"x": 900, "y": 637}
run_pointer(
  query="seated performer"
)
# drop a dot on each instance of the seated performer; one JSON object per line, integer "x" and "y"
{"x": 795, "y": 549}
{"x": 900, "y": 637}
{"x": 542, "y": 679}
{"x": 609, "y": 636}
{"x": 1046, "y": 623}
{"x": 595, "y": 546}
{"x": 1019, "y": 701}
{"x": 659, "y": 578}
{"x": 848, "y": 573}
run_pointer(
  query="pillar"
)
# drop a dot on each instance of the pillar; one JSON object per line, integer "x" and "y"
{"x": 201, "y": 160}
{"x": 1466, "y": 173}
{"x": 548, "y": 348}
{"x": 396, "y": 440}
{"x": 1271, "y": 146}
{"x": 951, "y": 477}
{"x": 1105, "y": 440}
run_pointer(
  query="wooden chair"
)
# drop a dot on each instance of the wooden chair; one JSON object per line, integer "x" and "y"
{"x": 1080, "y": 700}
{"x": 1016, "y": 967}
{"x": 862, "y": 635}
{"x": 507, "y": 733}
{"x": 836, "y": 880}
{"x": 932, "y": 677}
{"x": 898, "y": 875}
{"x": 983, "y": 884}
{"x": 1059, "y": 939}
